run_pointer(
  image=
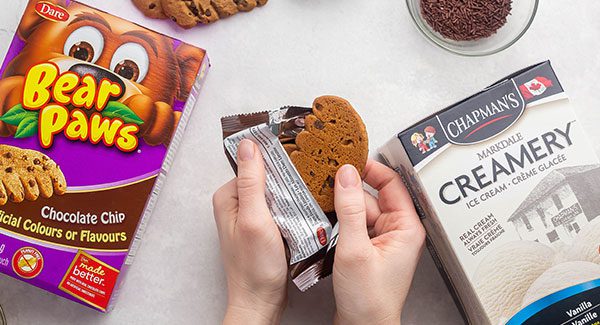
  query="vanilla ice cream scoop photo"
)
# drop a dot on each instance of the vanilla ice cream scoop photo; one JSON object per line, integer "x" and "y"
{"x": 505, "y": 275}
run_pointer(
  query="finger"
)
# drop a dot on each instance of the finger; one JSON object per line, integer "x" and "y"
{"x": 373, "y": 211}
{"x": 225, "y": 204}
{"x": 351, "y": 211}
{"x": 253, "y": 210}
{"x": 393, "y": 195}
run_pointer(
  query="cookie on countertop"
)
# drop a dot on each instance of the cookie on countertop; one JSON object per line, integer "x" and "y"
{"x": 206, "y": 13}
{"x": 150, "y": 8}
{"x": 334, "y": 135}
{"x": 245, "y": 5}
{"x": 189, "y": 13}
{"x": 225, "y": 8}
{"x": 182, "y": 12}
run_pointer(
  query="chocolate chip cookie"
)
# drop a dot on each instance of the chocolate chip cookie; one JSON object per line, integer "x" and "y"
{"x": 150, "y": 8}
{"x": 334, "y": 135}
{"x": 206, "y": 13}
{"x": 189, "y": 13}
{"x": 245, "y": 5}
{"x": 225, "y": 8}
{"x": 28, "y": 174}
{"x": 183, "y": 12}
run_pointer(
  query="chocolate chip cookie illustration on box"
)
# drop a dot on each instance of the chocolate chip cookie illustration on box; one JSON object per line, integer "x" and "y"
{"x": 91, "y": 108}
{"x": 27, "y": 175}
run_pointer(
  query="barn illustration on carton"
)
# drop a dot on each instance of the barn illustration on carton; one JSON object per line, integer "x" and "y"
{"x": 560, "y": 205}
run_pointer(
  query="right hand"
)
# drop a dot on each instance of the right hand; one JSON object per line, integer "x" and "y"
{"x": 372, "y": 276}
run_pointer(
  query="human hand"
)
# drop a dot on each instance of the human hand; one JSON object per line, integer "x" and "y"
{"x": 251, "y": 245}
{"x": 372, "y": 274}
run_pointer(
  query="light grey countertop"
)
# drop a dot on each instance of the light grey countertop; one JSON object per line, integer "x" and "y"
{"x": 289, "y": 52}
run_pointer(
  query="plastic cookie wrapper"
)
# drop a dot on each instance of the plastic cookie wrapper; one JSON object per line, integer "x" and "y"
{"x": 308, "y": 232}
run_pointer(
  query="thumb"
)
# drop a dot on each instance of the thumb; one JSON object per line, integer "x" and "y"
{"x": 251, "y": 184}
{"x": 351, "y": 211}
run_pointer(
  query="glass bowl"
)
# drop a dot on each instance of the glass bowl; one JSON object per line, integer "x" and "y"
{"x": 518, "y": 22}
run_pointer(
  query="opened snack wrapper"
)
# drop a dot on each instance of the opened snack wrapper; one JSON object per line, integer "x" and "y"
{"x": 310, "y": 234}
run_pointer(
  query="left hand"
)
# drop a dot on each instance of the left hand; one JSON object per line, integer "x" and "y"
{"x": 251, "y": 245}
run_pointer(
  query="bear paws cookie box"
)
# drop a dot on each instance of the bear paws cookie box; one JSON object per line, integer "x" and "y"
{"x": 92, "y": 108}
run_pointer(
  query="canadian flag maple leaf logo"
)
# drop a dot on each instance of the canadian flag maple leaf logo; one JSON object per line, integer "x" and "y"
{"x": 535, "y": 87}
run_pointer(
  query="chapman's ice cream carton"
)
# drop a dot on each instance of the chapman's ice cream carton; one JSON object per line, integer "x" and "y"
{"x": 508, "y": 188}
{"x": 92, "y": 108}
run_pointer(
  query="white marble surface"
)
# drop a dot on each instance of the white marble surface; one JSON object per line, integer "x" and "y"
{"x": 288, "y": 53}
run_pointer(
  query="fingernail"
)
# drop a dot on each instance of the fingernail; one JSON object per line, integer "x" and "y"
{"x": 246, "y": 150}
{"x": 348, "y": 176}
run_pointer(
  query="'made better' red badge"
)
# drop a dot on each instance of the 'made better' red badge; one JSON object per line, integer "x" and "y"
{"x": 90, "y": 280}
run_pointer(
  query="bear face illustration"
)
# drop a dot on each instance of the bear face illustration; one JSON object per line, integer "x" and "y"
{"x": 153, "y": 72}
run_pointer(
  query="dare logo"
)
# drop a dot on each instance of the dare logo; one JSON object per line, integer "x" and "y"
{"x": 51, "y": 11}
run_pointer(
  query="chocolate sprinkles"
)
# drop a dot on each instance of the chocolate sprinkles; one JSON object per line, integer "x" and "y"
{"x": 466, "y": 20}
